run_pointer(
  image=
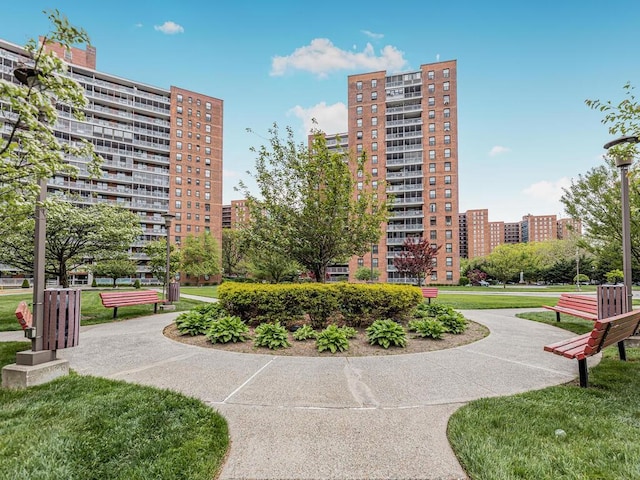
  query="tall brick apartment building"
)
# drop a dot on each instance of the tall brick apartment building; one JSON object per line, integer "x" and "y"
{"x": 407, "y": 125}
{"x": 162, "y": 149}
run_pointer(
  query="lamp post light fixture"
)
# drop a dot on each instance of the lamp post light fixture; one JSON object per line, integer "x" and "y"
{"x": 623, "y": 163}
{"x": 29, "y": 77}
{"x": 168, "y": 217}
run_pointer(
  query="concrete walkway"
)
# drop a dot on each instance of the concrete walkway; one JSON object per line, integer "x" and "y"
{"x": 339, "y": 418}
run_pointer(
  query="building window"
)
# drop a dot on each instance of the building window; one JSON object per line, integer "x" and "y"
{"x": 447, "y": 166}
{"x": 361, "y": 262}
{"x": 360, "y": 174}
{"x": 374, "y": 108}
{"x": 445, "y": 86}
{"x": 178, "y": 204}
{"x": 179, "y": 98}
{"x": 447, "y": 179}
{"x": 359, "y": 97}
{"x": 358, "y": 85}
{"x": 432, "y": 194}
{"x": 374, "y": 83}
{"x": 432, "y": 180}
{"x": 447, "y": 207}
{"x": 432, "y": 101}
{"x": 447, "y": 126}
{"x": 179, "y": 121}
{"x": 445, "y": 73}
{"x": 432, "y": 168}
{"x": 374, "y": 133}
{"x": 448, "y": 234}
{"x": 447, "y": 193}
{"x": 432, "y": 141}
{"x": 360, "y": 185}
{"x": 432, "y": 154}
{"x": 448, "y": 221}
{"x": 374, "y": 95}
{"x": 448, "y": 247}
{"x": 432, "y": 114}
{"x": 207, "y": 117}
{"x": 374, "y": 159}
{"x": 374, "y": 121}
{"x": 446, "y": 99}
{"x": 374, "y": 185}
{"x": 359, "y": 135}
{"x": 178, "y": 156}
{"x": 207, "y": 105}
{"x": 207, "y": 173}
{"x": 432, "y": 127}
{"x": 179, "y": 145}
{"x": 359, "y": 148}
{"x": 432, "y": 88}
{"x": 358, "y": 110}
{"x": 178, "y": 192}
{"x": 178, "y": 180}
{"x": 447, "y": 139}
{"x": 178, "y": 168}
{"x": 359, "y": 123}
{"x": 433, "y": 234}
{"x": 374, "y": 172}
{"x": 374, "y": 147}
{"x": 431, "y": 75}
{"x": 447, "y": 113}
{"x": 207, "y": 139}
{"x": 449, "y": 275}
{"x": 433, "y": 221}
{"x": 432, "y": 207}
{"x": 434, "y": 276}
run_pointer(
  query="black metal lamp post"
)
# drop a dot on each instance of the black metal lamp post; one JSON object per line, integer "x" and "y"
{"x": 623, "y": 164}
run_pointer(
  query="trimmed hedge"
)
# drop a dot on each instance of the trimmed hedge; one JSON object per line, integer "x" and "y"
{"x": 355, "y": 305}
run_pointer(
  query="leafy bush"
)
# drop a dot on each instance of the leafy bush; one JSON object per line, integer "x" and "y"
{"x": 333, "y": 339}
{"x": 25, "y": 283}
{"x": 271, "y": 335}
{"x": 386, "y": 333}
{"x": 305, "y": 332}
{"x": 212, "y": 311}
{"x": 192, "y": 323}
{"x": 228, "y": 329}
{"x": 137, "y": 284}
{"x": 463, "y": 282}
{"x": 454, "y": 322}
{"x": 94, "y": 284}
{"x": 427, "y": 328}
{"x": 350, "y": 332}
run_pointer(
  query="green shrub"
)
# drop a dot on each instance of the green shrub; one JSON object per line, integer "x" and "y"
{"x": 320, "y": 302}
{"x": 228, "y": 329}
{"x": 350, "y": 332}
{"x": 94, "y": 284}
{"x": 454, "y": 322}
{"x": 387, "y": 333}
{"x": 427, "y": 328}
{"x": 25, "y": 283}
{"x": 211, "y": 311}
{"x": 192, "y": 323}
{"x": 333, "y": 339}
{"x": 271, "y": 335}
{"x": 463, "y": 282}
{"x": 305, "y": 332}
{"x": 137, "y": 284}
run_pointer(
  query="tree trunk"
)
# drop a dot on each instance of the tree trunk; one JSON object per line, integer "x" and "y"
{"x": 64, "y": 276}
{"x": 114, "y": 282}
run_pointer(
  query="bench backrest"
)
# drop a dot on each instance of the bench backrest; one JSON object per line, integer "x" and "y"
{"x": 429, "y": 292}
{"x": 612, "y": 330}
{"x": 24, "y": 315}
{"x": 578, "y": 302}
{"x": 111, "y": 299}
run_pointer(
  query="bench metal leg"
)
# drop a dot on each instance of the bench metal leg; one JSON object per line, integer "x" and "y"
{"x": 622, "y": 352}
{"x": 557, "y": 316}
{"x": 429, "y": 300}
{"x": 584, "y": 374}
{"x": 115, "y": 312}
{"x": 155, "y": 308}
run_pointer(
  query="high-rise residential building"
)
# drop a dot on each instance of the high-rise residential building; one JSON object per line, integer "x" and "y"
{"x": 226, "y": 216}
{"x": 512, "y": 232}
{"x": 478, "y": 233}
{"x": 407, "y": 126}
{"x": 496, "y": 234}
{"x": 162, "y": 149}
{"x": 569, "y": 227}
{"x": 538, "y": 228}
{"x": 463, "y": 235}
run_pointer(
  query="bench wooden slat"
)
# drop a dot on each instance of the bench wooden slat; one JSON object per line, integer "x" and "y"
{"x": 581, "y": 306}
{"x": 429, "y": 292}
{"x": 127, "y": 299}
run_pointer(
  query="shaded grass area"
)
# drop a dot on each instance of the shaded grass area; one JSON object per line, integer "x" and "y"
{"x": 91, "y": 307}
{"x": 211, "y": 292}
{"x": 561, "y": 432}
{"x": 81, "y": 427}
{"x": 567, "y": 322}
{"x": 471, "y": 302}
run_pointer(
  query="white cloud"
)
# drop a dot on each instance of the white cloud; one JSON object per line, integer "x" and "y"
{"x": 138, "y": 25}
{"x": 375, "y": 36}
{"x": 169, "y": 28}
{"x": 330, "y": 118}
{"x": 547, "y": 191}
{"x": 321, "y": 57}
{"x": 498, "y": 149}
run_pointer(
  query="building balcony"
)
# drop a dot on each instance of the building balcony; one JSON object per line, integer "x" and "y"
{"x": 405, "y": 227}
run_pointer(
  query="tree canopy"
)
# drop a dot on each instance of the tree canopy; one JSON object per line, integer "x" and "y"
{"x": 30, "y": 152}
{"x": 157, "y": 253}
{"x": 75, "y": 236}
{"x": 416, "y": 259}
{"x": 200, "y": 255}
{"x": 308, "y": 208}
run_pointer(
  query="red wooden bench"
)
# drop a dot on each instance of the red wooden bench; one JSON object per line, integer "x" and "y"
{"x": 24, "y": 315}
{"x": 605, "y": 332}
{"x": 126, "y": 299}
{"x": 582, "y": 306}
{"x": 429, "y": 293}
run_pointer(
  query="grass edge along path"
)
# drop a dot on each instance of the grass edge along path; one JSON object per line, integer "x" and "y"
{"x": 94, "y": 428}
{"x": 561, "y": 432}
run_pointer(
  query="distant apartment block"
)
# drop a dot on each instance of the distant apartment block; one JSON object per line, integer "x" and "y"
{"x": 479, "y": 236}
{"x": 162, "y": 149}
{"x": 407, "y": 126}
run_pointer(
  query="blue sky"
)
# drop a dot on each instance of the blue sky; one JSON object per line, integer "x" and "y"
{"x": 524, "y": 71}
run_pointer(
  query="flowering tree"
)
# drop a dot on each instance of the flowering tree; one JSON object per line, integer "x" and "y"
{"x": 416, "y": 259}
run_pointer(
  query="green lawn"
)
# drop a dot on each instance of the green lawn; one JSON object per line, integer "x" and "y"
{"x": 523, "y": 288}
{"x": 211, "y": 292}
{"x": 470, "y": 302}
{"x": 92, "y": 310}
{"x": 521, "y": 437}
{"x": 80, "y": 427}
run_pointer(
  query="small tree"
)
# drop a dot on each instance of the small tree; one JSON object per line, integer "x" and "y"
{"x": 272, "y": 267}
{"x": 233, "y": 252}
{"x": 200, "y": 256}
{"x": 614, "y": 276}
{"x": 115, "y": 268}
{"x": 416, "y": 259}
{"x": 157, "y": 253}
{"x": 365, "y": 274}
